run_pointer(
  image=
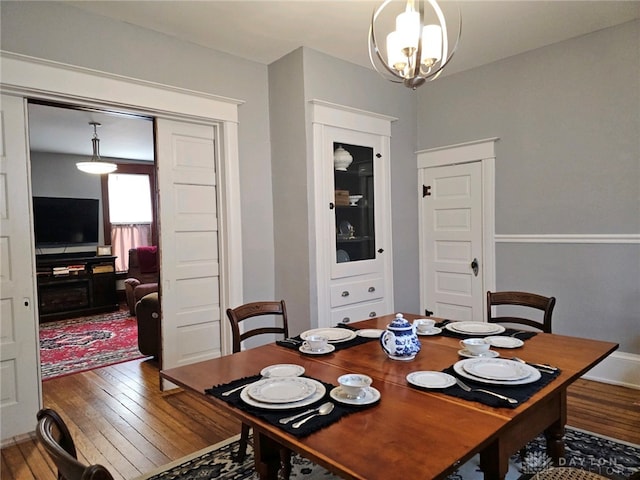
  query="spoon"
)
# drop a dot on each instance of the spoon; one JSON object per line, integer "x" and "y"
{"x": 324, "y": 409}
{"x": 306, "y": 412}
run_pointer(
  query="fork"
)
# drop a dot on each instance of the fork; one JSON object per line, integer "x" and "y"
{"x": 467, "y": 388}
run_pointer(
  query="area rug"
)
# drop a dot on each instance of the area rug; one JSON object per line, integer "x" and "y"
{"x": 608, "y": 457}
{"x": 81, "y": 344}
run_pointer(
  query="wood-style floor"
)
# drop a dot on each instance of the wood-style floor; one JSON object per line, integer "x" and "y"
{"x": 119, "y": 418}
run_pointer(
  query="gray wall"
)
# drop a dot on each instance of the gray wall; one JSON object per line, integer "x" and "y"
{"x": 56, "y": 175}
{"x": 295, "y": 80}
{"x": 65, "y": 34}
{"x": 568, "y": 162}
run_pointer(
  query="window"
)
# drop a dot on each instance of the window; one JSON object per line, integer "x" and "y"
{"x": 129, "y": 212}
{"x": 129, "y": 198}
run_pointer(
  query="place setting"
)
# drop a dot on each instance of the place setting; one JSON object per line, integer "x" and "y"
{"x": 321, "y": 341}
{"x": 301, "y": 405}
{"x": 497, "y": 382}
{"x": 501, "y": 336}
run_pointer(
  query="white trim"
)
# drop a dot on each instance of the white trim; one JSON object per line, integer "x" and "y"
{"x": 482, "y": 151}
{"x": 39, "y": 78}
{"x": 459, "y": 153}
{"x": 350, "y": 118}
{"x": 619, "y": 368}
{"x": 35, "y": 78}
{"x": 630, "y": 238}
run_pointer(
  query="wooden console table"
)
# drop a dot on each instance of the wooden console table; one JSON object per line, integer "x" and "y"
{"x": 75, "y": 284}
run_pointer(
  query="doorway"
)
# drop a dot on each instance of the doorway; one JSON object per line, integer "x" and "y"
{"x": 84, "y": 321}
{"x": 51, "y": 81}
{"x": 457, "y": 249}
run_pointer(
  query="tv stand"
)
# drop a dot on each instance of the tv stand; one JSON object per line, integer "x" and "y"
{"x": 75, "y": 284}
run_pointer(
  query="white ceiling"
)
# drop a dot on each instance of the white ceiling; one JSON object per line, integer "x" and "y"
{"x": 264, "y": 30}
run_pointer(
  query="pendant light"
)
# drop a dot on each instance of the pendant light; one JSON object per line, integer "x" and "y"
{"x": 96, "y": 166}
{"x": 418, "y": 49}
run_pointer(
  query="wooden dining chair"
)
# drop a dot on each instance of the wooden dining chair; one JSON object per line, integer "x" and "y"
{"x": 522, "y": 299}
{"x": 54, "y": 436}
{"x": 236, "y": 317}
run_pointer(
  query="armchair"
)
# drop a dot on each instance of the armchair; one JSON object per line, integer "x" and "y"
{"x": 144, "y": 275}
{"x": 149, "y": 318}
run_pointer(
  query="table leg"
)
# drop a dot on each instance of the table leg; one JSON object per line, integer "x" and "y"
{"x": 494, "y": 463}
{"x": 266, "y": 456}
{"x": 554, "y": 434}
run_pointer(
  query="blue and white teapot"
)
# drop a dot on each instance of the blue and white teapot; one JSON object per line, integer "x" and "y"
{"x": 399, "y": 340}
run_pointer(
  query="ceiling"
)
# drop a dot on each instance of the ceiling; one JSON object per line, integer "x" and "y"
{"x": 264, "y": 30}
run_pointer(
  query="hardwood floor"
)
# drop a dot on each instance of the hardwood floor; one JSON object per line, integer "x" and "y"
{"x": 119, "y": 418}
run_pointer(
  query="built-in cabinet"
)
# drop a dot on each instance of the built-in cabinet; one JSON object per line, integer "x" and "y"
{"x": 352, "y": 213}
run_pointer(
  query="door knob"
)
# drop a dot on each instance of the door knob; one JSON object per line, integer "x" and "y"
{"x": 474, "y": 267}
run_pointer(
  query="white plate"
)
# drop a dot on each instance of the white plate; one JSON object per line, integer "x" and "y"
{"x": 431, "y": 379}
{"x": 504, "y": 342}
{"x": 345, "y": 228}
{"x": 281, "y": 389}
{"x": 369, "y": 332}
{"x": 282, "y": 370}
{"x": 319, "y": 393}
{"x": 333, "y": 334}
{"x": 308, "y": 351}
{"x": 431, "y": 331}
{"x": 371, "y": 396}
{"x": 474, "y": 328}
{"x": 488, "y": 354}
{"x": 497, "y": 369}
{"x": 458, "y": 367}
{"x": 342, "y": 256}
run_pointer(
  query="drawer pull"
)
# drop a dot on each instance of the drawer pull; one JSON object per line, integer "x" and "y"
{"x": 345, "y": 293}
{"x": 372, "y": 314}
{"x": 372, "y": 289}
{"x": 346, "y": 320}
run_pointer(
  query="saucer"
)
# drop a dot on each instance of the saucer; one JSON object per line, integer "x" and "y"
{"x": 431, "y": 331}
{"x": 371, "y": 395}
{"x": 468, "y": 354}
{"x": 504, "y": 342}
{"x": 369, "y": 332}
{"x": 328, "y": 349}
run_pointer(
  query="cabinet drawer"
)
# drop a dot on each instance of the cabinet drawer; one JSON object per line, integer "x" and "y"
{"x": 356, "y": 292}
{"x": 358, "y": 312}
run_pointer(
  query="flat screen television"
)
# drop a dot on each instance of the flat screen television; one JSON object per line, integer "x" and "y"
{"x": 65, "y": 221}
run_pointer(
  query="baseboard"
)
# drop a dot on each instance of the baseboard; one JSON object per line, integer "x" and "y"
{"x": 619, "y": 368}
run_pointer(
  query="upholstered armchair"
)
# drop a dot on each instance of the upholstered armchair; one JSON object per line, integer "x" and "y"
{"x": 143, "y": 277}
{"x": 148, "y": 317}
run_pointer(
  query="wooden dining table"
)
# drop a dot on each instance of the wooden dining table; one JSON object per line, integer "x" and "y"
{"x": 410, "y": 433}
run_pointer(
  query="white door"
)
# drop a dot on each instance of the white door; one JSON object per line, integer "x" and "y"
{"x": 452, "y": 236}
{"x": 188, "y": 199}
{"x": 19, "y": 371}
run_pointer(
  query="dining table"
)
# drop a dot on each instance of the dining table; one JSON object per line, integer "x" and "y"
{"x": 409, "y": 432}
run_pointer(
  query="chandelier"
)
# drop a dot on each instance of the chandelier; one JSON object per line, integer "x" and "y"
{"x": 96, "y": 165}
{"x": 418, "y": 49}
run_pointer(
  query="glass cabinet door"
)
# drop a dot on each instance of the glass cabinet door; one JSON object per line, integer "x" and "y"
{"x": 354, "y": 203}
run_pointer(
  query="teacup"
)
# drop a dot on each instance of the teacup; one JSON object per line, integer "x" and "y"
{"x": 353, "y": 384}
{"x": 424, "y": 325}
{"x": 475, "y": 346}
{"x": 315, "y": 343}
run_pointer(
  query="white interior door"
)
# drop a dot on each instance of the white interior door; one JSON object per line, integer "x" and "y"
{"x": 452, "y": 236}
{"x": 188, "y": 211}
{"x": 19, "y": 365}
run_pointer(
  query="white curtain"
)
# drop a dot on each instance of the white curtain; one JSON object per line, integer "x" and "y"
{"x": 125, "y": 237}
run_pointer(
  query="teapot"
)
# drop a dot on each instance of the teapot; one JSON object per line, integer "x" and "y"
{"x": 400, "y": 341}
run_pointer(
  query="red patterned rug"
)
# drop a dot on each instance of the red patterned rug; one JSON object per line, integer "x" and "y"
{"x": 81, "y": 344}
